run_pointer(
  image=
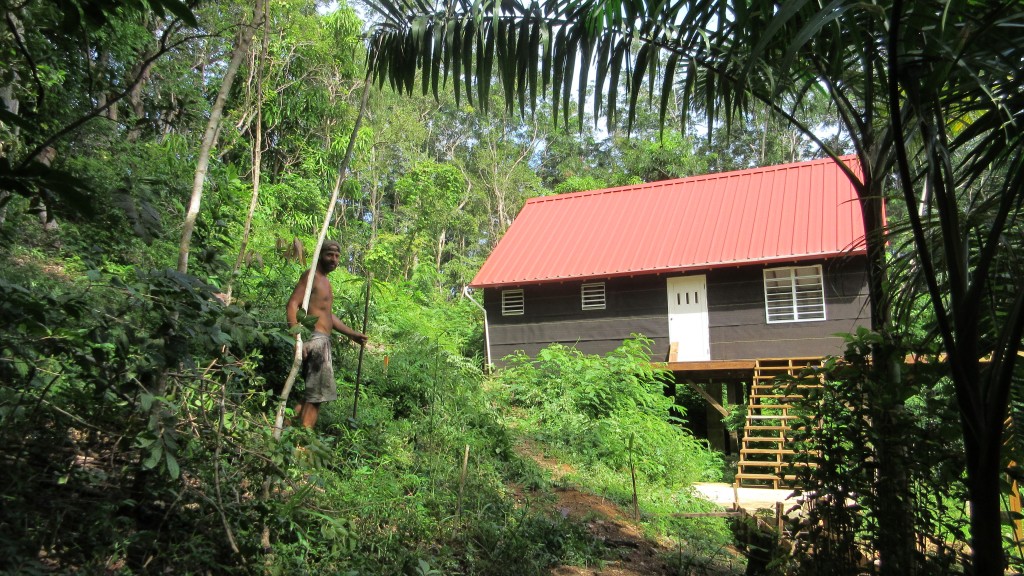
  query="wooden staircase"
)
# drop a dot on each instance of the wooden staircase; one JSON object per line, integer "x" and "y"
{"x": 766, "y": 448}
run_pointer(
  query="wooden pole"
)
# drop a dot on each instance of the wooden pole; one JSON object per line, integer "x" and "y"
{"x": 462, "y": 482}
{"x": 362, "y": 347}
{"x": 632, "y": 474}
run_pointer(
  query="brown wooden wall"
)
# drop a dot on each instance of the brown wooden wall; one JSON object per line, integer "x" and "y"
{"x": 552, "y": 314}
{"x": 738, "y": 329}
{"x": 737, "y": 316}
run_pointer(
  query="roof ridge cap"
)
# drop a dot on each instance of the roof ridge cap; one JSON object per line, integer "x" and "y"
{"x": 687, "y": 179}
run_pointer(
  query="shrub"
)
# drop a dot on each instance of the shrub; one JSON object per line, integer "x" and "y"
{"x": 591, "y": 405}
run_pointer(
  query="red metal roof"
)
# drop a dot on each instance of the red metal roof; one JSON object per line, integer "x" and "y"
{"x": 782, "y": 213}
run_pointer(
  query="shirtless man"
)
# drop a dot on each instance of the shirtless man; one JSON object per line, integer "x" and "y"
{"x": 317, "y": 366}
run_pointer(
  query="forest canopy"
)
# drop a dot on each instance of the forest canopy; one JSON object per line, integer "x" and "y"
{"x": 165, "y": 172}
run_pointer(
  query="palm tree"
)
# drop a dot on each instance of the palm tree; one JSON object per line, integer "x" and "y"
{"x": 928, "y": 90}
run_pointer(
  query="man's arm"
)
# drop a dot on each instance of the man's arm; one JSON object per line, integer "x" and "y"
{"x": 357, "y": 337}
{"x": 295, "y": 301}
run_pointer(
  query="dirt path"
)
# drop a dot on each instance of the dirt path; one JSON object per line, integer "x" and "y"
{"x": 630, "y": 553}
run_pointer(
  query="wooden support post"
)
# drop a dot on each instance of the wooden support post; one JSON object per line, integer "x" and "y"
{"x": 715, "y": 413}
{"x": 712, "y": 400}
{"x": 1014, "y": 503}
{"x": 462, "y": 482}
{"x": 734, "y": 397}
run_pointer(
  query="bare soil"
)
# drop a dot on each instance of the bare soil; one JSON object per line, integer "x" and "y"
{"x": 629, "y": 551}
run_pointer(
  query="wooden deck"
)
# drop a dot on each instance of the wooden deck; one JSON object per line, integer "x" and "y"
{"x": 707, "y": 365}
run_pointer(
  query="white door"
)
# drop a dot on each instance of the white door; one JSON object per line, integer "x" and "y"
{"x": 688, "y": 317}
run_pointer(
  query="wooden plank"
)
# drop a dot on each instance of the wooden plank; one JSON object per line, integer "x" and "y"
{"x": 714, "y": 403}
{"x": 706, "y": 365}
{"x": 673, "y": 351}
{"x": 706, "y": 514}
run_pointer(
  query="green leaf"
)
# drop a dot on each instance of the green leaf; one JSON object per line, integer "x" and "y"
{"x": 558, "y": 64}
{"x": 571, "y": 40}
{"x": 172, "y": 466}
{"x": 523, "y": 58}
{"x": 179, "y": 9}
{"x": 667, "y": 89}
{"x": 469, "y": 32}
{"x": 455, "y": 46}
{"x": 613, "y": 79}
{"x": 585, "y": 58}
{"x": 485, "y": 61}
{"x": 154, "y": 457}
{"x": 546, "y": 61}
{"x": 437, "y": 56}
{"x": 603, "y": 54}
{"x": 639, "y": 69}
{"x": 536, "y": 31}
{"x": 506, "y": 52}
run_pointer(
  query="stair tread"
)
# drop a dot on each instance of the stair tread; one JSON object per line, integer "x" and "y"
{"x": 750, "y": 476}
{"x": 769, "y": 464}
{"x": 793, "y": 396}
{"x": 778, "y": 384}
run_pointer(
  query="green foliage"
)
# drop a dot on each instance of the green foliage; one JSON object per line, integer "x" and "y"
{"x": 840, "y": 463}
{"x": 591, "y": 405}
{"x": 133, "y": 425}
{"x": 579, "y": 184}
{"x": 604, "y": 414}
{"x": 99, "y": 390}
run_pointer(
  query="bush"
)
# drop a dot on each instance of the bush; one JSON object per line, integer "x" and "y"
{"x": 848, "y": 427}
{"x": 591, "y": 406}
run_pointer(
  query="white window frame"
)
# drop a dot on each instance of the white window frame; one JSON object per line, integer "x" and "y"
{"x": 513, "y": 302}
{"x": 592, "y": 296}
{"x": 794, "y": 294}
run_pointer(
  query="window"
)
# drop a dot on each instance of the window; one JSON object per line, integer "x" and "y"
{"x": 794, "y": 294}
{"x": 592, "y": 296}
{"x": 512, "y": 302}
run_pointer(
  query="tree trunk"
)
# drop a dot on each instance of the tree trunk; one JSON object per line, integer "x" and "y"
{"x": 46, "y": 218}
{"x": 141, "y": 71}
{"x": 983, "y": 493}
{"x": 10, "y": 102}
{"x": 245, "y": 35}
{"x": 895, "y": 537}
{"x": 257, "y": 159}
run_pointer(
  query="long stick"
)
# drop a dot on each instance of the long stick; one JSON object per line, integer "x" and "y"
{"x": 632, "y": 475}
{"x": 297, "y": 359}
{"x": 462, "y": 482}
{"x": 362, "y": 347}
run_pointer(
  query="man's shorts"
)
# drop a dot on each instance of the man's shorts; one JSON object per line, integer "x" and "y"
{"x": 318, "y": 369}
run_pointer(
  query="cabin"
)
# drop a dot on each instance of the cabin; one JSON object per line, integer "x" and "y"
{"x": 760, "y": 263}
{"x": 725, "y": 273}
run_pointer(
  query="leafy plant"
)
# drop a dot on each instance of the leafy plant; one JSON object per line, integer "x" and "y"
{"x": 590, "y": 405}
{"x": 838, "y": 456}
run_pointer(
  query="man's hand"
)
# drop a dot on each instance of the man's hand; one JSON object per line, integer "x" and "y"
{"x": 359, "y": 338}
